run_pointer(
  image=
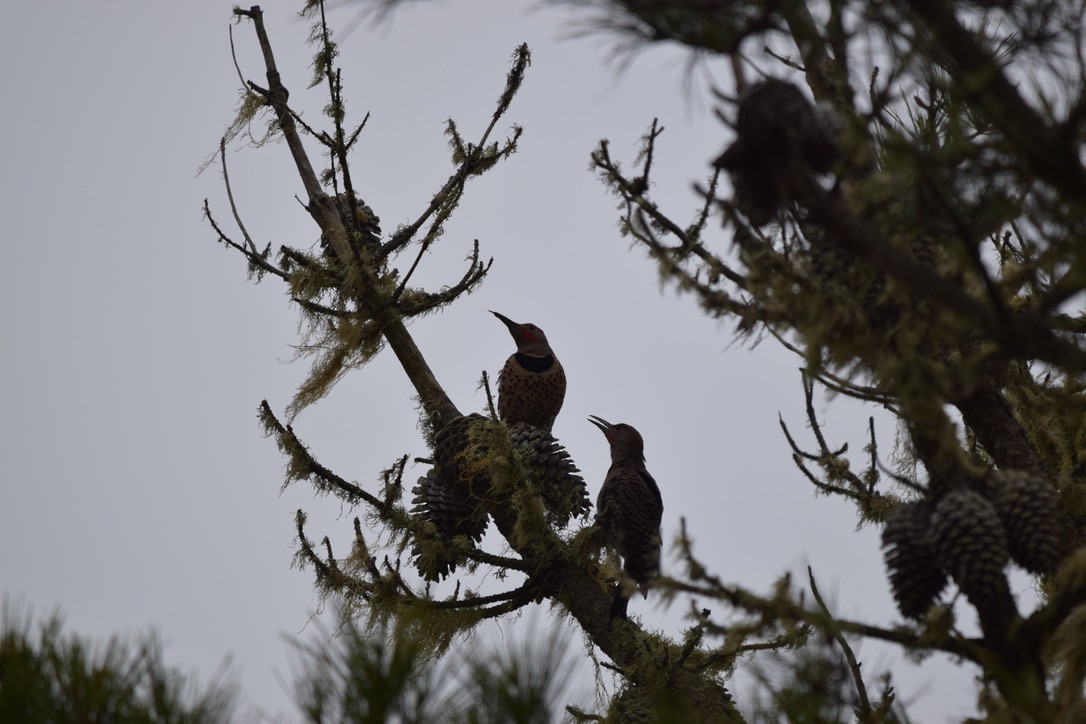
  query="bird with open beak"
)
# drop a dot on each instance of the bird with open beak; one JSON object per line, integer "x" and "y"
{"x": 628, "y": 511}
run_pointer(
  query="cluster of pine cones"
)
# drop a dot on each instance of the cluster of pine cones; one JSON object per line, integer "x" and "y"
{"x": 970, "y": 537}
{"x": 457, "y": 501}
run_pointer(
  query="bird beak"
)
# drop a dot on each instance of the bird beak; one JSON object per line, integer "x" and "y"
{"x": 514, "y": 328}
{"x": 508, "y": 322}
{"x": 606, "y": 427}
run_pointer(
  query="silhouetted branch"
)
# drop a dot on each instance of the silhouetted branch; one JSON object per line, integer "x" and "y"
{"x": 305, "y": 465}
{"x": 864, "y": 713}
{"x": 258, "y": 260}
{"x": 782, "y": 608}
{"x": 478, "y": 157}
{"x": 834, "y": 464}
{"x": 1047, "y": 153}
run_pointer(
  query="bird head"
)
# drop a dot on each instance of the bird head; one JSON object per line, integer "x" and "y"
{"x": 626, "y": 442}
{"x": 529, "y": 338}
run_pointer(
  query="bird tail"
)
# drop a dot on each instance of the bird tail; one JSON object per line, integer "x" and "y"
{"x": 619, "y": 602}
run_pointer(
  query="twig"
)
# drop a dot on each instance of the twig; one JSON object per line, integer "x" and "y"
{"x": 515, "y": 595}
{"x": 485, "y": 381}
{"x": 833, "y": 382}
{"x": 230, "y": 195}
{"x": 865, "y": 713}
{"x": 427, "y": 301}
{"x": 967, "y": 649}
{"x": 294, "y": 447}
{"x": 808, "y": 395}
{"x": 234, "y": 57}
{"x": 277, "y": 95}
{"x": 874, "y": 467}
{"x": 469, "y": 165}
{"x": 516, "y": 564}
{"x": 423, "y": 248}
{"x": 256, "y": 258}
{"x": 321, "y": 309}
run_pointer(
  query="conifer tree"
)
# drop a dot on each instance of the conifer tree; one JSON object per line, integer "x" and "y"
{"x": 902, "y": 204}
{"x": 49, "y": 675}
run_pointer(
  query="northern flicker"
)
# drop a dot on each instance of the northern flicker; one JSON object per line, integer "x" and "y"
{"x": 532, "y": 384}
{"x": 778, "y": 133}
{"x": 628, "y": 510}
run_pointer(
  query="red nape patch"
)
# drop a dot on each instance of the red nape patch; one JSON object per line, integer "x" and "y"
{"x": 528, "y": 336}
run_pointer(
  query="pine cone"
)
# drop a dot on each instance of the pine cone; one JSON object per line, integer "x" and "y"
{"x": 915, "y": 578}
{"x": 971, "y": 545}
{"x": 452, "y": 514}
{"x": 1028, "y": 505}
{"x": 563, "y": 491}
{"x": 454, "y": 501}
{"x": 776, "y": 127}
{"x": 450, "y": 444}
{"x": 924, "y": 249}
{"x": 776, "y": 121}
{"x": 369, "y": 224}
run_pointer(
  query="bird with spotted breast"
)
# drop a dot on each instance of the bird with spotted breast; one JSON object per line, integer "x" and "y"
{"x": 628, "y": 510}
{"x": 532, "y": 384}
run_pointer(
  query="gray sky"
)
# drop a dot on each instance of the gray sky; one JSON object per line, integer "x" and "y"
{"x": 138, "y": 491}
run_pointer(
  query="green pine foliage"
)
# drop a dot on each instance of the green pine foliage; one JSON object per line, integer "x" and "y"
{"x": 47, "y": 675}
{"x": 353, "y": 677}
{"x": 814, "y": 685}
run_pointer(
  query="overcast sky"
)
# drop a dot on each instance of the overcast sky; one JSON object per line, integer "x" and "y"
{"x": 137, "y": 489}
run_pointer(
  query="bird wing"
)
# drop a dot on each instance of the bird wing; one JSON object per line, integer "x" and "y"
{"x": 629, "y": 510}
